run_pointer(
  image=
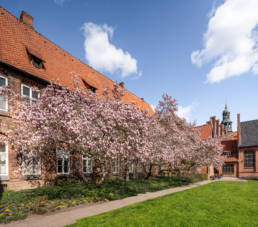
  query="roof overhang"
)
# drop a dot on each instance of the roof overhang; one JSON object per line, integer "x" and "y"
{"x": 28, "y": 74}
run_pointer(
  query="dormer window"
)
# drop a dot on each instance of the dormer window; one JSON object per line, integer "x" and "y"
{"x": 35, "y": 59}
{"x": 93, "y": 89}
{"x": 36, "y": 62}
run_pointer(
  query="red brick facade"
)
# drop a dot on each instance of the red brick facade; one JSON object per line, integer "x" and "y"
{"x": 232, "y": 152}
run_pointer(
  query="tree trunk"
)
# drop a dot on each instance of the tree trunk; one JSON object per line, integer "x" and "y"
{"x": 149, "y": 172}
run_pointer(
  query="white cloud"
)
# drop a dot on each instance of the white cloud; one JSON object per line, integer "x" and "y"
{"x": 153, "y": 107}
{"x": 186, "y": 111}
{"x": 103, "y": 55}
{"x": 231, "y": 41}
{"x": 59, "y": 2}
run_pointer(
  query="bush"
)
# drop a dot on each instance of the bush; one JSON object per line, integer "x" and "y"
{"x": 109, "y": 189}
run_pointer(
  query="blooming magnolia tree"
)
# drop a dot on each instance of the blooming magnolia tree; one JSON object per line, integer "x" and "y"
{"x": 105, "y": 129}
{"x": 182, "y": 148}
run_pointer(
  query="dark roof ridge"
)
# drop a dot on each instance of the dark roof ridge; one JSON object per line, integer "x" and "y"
{"x": 249, "y": 121}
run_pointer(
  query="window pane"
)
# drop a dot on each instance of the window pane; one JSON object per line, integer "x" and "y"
{"x": 89, "y": 165}
{"x": 3, "y": 166}
{"x": 139, "y": 169}
{"x": 35, "y": 95}
{"x": 3, "y": 159}
{"x": 66, "y": 166}
{"x": 2, "y": 147}
{"x": 130, "y": 167}
{"x": 2, "y": 82}
{"x": 60, "y": 166}
{"x": 228, "y": 169}
{"x": 36, "y": 167}
{"x": 249, "y": 159}
{"x": 26, "y": 91}
{"x": 114, "y": 166}
{"x": 2, "y": 102}
{"x": 84, "y": 166}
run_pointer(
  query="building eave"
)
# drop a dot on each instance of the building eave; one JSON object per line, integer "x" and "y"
{"x": 26, "y": 73}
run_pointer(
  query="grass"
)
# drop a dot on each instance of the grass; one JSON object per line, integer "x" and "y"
{"x": 16, "y": 205}
{"x": 215, "y": 204}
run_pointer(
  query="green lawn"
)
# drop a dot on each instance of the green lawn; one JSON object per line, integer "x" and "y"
{"x": 215, "y": 204}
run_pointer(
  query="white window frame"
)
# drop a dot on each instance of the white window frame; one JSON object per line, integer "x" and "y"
{"x": 6, "y": 175}
{"x": 89, "y": 169}
{"x": 147, "y": 168}
{"x": 228, "y": 154}
{"x": 31, "y": 99}
{"x": 28, "y": 173}
{"x": 139, "y": 168}
{"x": 6, "y": 105}
{"x": 115, "y": 166}
{"x": 62, "y": 154}
{"x": 130, "y": 167}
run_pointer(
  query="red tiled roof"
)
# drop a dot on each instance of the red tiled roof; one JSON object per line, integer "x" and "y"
{"x": 234, "y": 135}
{"x": 205, "y": 131}
{"x": 17, "y": 38}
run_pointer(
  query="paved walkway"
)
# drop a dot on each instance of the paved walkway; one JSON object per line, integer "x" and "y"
{"x": 70, "y": 216}
{"x": 233, "y": 179}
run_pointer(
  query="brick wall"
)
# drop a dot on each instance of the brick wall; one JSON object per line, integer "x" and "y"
{"x": 248, "y": 172}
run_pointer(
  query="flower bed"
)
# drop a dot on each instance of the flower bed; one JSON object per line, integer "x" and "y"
{"x": 15, "y": 211}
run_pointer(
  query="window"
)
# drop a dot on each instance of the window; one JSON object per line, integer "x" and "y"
{"x": 28, "y": 95}
{"x": 3, "y": 159}
{"x": 3, "y": 100}
{"x": 86, "y": 164}
{"x": 130, "y": 167}
{"x": 35, "y": 61}
{"x": 157, "y": 170}
{"x": 115, "y": 166}
{"x": 34, "y": 167}
{"x": 139, "y": 168}
{"x": 147, "y": 168}
{"x": 228, "y": 154}
{"x": 93, "y": 89}
{"x": 228, "y": 169}
{"x": 63, "y": 165}
{"x": 249, "y": 159}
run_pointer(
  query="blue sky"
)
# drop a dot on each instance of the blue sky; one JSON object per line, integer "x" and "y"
{"x": 160, "y": 46}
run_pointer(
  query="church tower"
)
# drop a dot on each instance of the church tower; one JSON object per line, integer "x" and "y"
{"x": 226, "y": 120}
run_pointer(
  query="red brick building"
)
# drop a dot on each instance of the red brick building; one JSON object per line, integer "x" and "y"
{"x": 28, "y": 59}
{"x": 240, "y": 148}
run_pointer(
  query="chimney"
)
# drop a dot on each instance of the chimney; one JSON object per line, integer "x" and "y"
{"x": 217, "y": 128}
{"x": 122, "y": 84}
{"x": 26, "y": 19}
{"x": 221, "y": 129}
{"x": 213, "y": 126}
{"x": 238, "y": 129}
